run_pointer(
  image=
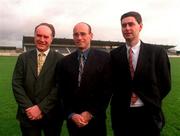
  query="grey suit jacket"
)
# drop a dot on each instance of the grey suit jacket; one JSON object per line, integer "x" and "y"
{"x": 30, "y": 89}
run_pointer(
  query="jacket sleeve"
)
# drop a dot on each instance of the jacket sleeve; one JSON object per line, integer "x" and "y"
{"x": 163, "y": 72}
{"x": 18, "y": 84}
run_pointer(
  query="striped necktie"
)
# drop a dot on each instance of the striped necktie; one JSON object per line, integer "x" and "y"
{"x": 81, "y": 67}
{"x": 131, "y": 63}
{"x": 134, "y": 97}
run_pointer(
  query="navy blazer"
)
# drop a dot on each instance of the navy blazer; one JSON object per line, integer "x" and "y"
{"x": 152, "y": 81}
{"x": 94, "y": 93}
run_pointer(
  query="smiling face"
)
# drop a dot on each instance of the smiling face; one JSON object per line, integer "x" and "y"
{"x": 43, "y": 38}
{"x": 131, "y": 29}
{"x": 82, "y": 36}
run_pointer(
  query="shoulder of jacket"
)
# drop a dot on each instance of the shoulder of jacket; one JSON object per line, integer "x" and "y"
{"x": 153, "y": 47}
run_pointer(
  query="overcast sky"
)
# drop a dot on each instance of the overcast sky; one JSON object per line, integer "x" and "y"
{"x": 161, "y": 18}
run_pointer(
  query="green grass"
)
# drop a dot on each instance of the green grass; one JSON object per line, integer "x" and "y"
{"x": 172, "y": 102}
{"x": 7, "y": 103}
{"x": 9, "y": 125}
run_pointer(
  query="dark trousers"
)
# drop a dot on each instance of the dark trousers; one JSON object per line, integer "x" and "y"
{"x": 96, "y": 127}
{"x": 37, "y": 127}
{"x": 139, "y": 122}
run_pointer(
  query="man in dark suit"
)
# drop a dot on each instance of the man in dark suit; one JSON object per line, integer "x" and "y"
{"x": 141, "y": 79}
{"x": 85, "y": 87}
{"x": 35, "y": 89}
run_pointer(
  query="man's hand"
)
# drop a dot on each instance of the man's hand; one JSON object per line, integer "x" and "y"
{"x": 34, "y": 113}
{"x": 134, "y": 98}
{"x": 79, "y": 120}
{"x": 87, "y": 116}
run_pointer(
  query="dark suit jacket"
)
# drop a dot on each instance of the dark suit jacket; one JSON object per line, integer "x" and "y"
{"x": 30, "y": 89}
{"x": 151, "y": 82}
{"x": 94, "y": 93}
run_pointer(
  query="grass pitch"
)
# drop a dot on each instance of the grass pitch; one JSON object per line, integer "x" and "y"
{"x": 9, "y": 125}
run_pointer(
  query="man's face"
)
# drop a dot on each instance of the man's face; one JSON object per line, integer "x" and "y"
{"x": 130, "y": 29}
{"x": 43, "y": 38}
{"x": 82, "y": 37}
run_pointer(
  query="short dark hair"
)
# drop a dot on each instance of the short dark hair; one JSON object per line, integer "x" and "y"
{"x": 48, "y": 25}
{"x": 134, "y": 14}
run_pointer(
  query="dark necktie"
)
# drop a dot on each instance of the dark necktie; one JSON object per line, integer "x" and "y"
{"x": 81, "y": 67}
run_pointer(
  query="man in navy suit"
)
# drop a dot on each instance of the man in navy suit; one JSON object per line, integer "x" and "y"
{"x": 141, "y": 80}
{"x": 85, "y": 88}
{"x": 35, "y": 90}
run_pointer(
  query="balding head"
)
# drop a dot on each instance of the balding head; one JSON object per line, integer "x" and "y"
{"x": 83, "y": 24}
{"x": 82, "y": 35}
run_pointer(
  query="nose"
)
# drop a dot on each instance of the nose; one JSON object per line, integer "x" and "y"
{"x": 78, "y": 37}
{"x": 41, "y": 38}
{"x": 127, "y": 27}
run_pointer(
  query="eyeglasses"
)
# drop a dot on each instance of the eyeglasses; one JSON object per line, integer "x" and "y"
{"x": 79, "y": 34}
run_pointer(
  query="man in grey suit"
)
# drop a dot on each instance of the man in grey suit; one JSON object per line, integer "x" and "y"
{"x": 34, "y": 87}
{"x": 141, "y": 80}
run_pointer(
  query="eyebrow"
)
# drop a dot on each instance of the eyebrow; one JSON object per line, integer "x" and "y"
{"x": 79, "y": 33}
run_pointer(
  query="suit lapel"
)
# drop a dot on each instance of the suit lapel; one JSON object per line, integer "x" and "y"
{"x": 48, "y": 63}
{"x": 142, "y": 60}
{"x": 124, "y": 57}
{"x": 125, "y": 60}
{"x": 33, "y": 62}
{"x": 89, "y": 66}
{"x": 74, "y": 65}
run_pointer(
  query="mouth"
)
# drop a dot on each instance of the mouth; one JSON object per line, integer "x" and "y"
{"x": 127, "y": 34}
{"x": 41, "y": 44}
{"x": 79, "y": 42}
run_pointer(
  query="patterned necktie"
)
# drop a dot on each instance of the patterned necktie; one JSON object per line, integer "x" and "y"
{"x": 41, "y": 60}
{"x": 131, "y": 63}
{"x": 81, "y": 67}
{"x": 134, "y": 97}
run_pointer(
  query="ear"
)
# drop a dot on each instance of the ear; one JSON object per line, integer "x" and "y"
{"x": 140, "y": 27}
{"x": 91, "y": 35}
{"x": 52, "y": 39}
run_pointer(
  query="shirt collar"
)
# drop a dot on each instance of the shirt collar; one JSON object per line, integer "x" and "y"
{"x": 135, "y": 48}
{"x": 85, "y": 53}
{"x": 46, "y": 52}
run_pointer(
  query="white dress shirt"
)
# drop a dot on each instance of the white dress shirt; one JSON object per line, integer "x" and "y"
{"x": 135, "y": 56}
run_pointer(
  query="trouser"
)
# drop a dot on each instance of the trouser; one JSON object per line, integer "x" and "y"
{"x": 138, "y": 122}
{"x": 37, "y": 127}
{"x": 96, "y": 127}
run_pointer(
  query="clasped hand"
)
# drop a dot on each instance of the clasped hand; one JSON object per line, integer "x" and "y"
{"x": 34, "y": 113}
{"x": 82, "y": 119}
